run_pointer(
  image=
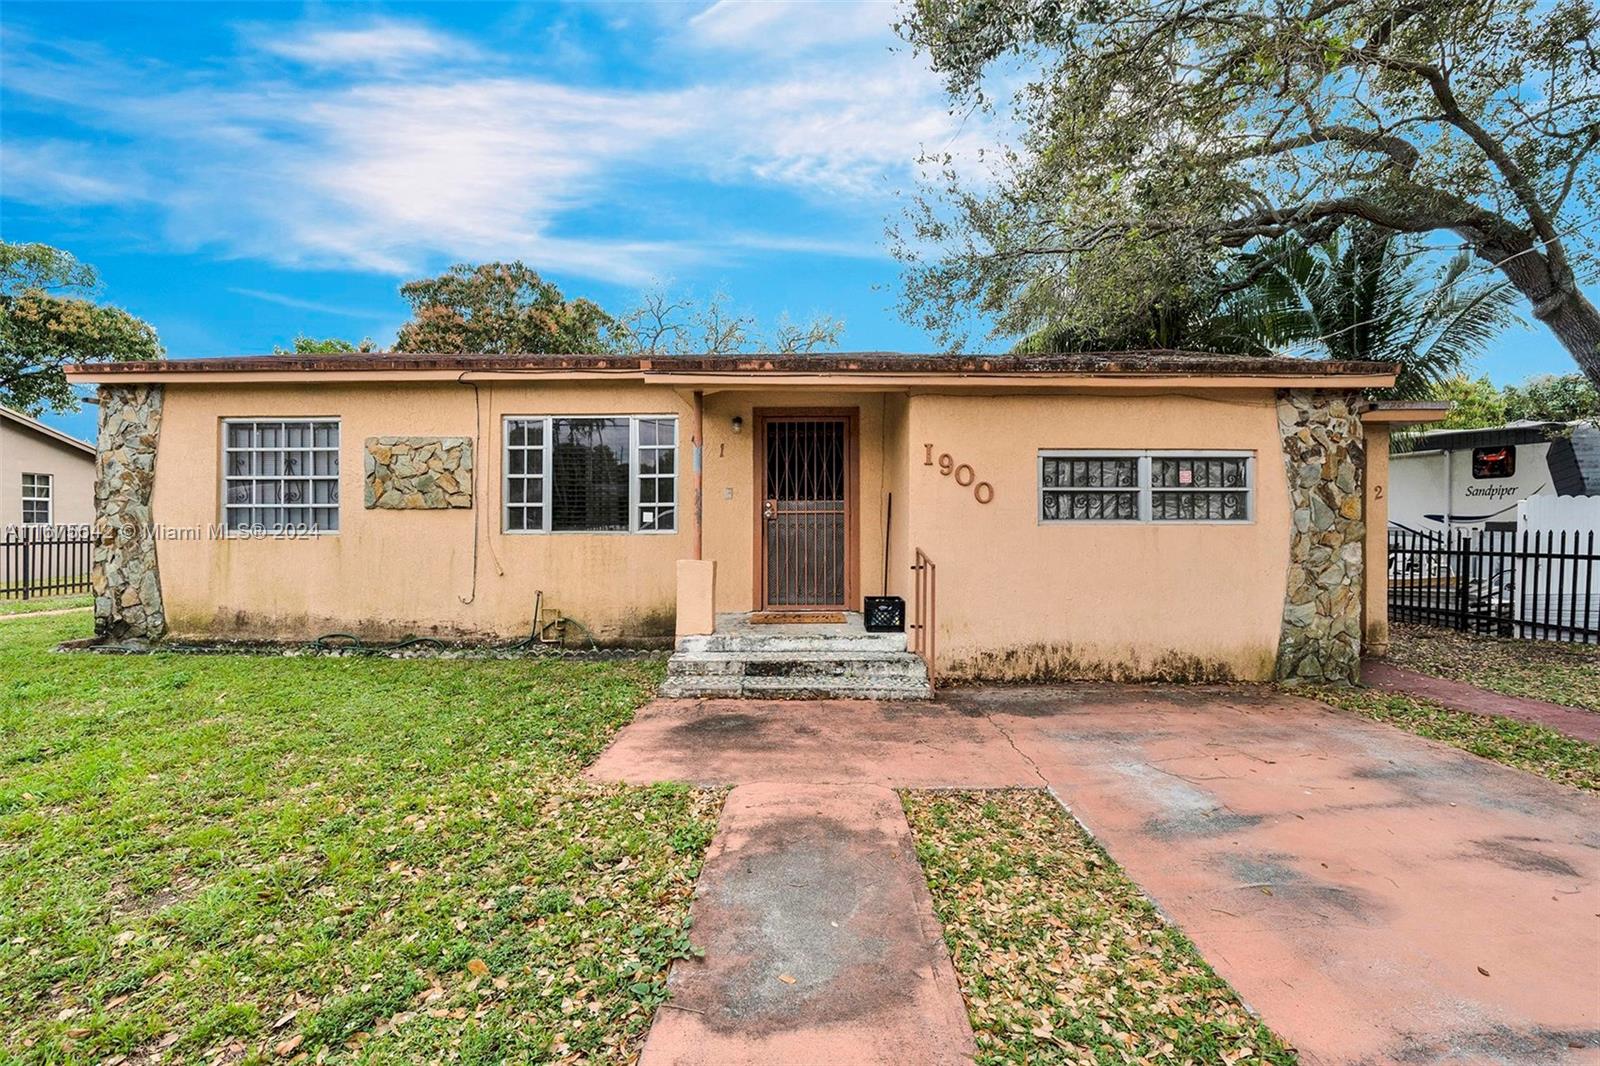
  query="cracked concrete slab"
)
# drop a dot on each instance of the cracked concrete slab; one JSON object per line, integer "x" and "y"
{"x": 819, "y": 938}
{"x": 1375, "y": 896}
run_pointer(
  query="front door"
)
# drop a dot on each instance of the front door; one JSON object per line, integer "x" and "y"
{"x": 805, "y": 467}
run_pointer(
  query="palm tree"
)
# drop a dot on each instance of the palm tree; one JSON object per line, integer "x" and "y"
{"x": 1357, "y": 295}
{"x": 1361, "y": 295}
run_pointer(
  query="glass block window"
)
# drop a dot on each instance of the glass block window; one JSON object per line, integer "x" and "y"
{"x": 591, "y": 474}
{"x": 36, "y": 499}
{"x": 1090, "y": 488}
{"x": 1146, "y": 486}
{"x": 1197, "y": 488}
{"x": 280, "y": 476}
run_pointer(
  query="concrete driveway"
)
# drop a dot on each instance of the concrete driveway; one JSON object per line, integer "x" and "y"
{"x": 1375, "y": 896}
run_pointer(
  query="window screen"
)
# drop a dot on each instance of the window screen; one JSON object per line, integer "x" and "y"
{"x": 589, "y": 474}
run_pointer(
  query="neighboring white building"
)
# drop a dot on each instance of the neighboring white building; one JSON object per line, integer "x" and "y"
{"x": 1475, "y": 478}
{"x": 46, "y": 477}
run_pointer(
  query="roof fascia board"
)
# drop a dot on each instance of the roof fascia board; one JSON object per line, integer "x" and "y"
{"x": 869, "y": 381}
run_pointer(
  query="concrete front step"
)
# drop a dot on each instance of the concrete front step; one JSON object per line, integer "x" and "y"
{"x": 780, "y": 641}
{"x": 823, "y": 661}
{"x": 796, "y": 664}
{"x": 794, "y": 688}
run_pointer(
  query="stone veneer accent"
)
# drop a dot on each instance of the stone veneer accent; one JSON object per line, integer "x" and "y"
{"x": 419, "y": 473}
{"x": 1324, "y": 453}
{"x": 125, "y": 577}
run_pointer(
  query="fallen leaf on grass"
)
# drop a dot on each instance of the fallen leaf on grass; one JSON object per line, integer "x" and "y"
{"x": 478, "y": 968}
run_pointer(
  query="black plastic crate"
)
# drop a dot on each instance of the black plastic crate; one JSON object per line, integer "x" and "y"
{"x": 884, "y": 614}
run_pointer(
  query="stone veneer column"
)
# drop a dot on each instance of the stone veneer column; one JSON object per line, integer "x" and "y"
{"x": 1323, "y": 451}
{"x": 127, "y": 583}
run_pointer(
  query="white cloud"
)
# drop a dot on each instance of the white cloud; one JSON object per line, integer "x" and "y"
{"x": 309, "y": 305}
{"x": 58, "y": 172}
{"x": 791, "y": 26}
{"x": 380, "y": 43}
{"x": 387, "y": 169}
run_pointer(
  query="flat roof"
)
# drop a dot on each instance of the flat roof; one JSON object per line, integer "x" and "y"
{"x": 39, "y": 427}
{"x": 688, "y": 370}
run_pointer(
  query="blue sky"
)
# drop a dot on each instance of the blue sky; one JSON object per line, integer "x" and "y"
{"x": 241, "y": 173}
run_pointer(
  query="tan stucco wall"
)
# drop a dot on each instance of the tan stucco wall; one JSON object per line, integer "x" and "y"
{"x": 24, "y": 451}
{"x": 391, "y": 572}
{"x": 730, "y": 486}
{"x": 1375, "y": 577}
{"x": 897, "y": 482}
{"x": 1019, "y": 599}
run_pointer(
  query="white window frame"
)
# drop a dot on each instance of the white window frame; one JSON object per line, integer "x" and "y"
{"x": 31, "y": 496}
{"x": 251, "y": 532}
{"x": 547, "y": 481}
{"x": 1145, "y": 488}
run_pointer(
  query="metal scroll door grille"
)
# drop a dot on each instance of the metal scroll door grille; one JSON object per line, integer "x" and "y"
{"x": 804, "y": 512}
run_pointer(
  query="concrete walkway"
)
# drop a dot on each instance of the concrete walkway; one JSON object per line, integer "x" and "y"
{"x": 1376, "y": 897}
{"x": 1574, "y": 722}
{"x": 820, "y": 941}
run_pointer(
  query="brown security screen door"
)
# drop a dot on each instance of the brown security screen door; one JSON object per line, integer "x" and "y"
{"x": 806, "y": 469}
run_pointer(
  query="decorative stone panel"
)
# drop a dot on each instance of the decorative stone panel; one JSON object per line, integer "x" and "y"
{"x": 125, "y": 576}
{"x": 1323, "y": 451}
{"x": 419, "y": 473}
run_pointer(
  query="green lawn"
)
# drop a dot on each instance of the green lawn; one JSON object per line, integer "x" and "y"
{"x": 1546, "y": 670}
{"x": 49, "y": 603}
{"x": 1062, "y": 959}
{"x": 234, "y": 858}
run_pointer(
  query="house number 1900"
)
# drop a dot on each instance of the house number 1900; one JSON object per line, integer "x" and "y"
{"x": 982, "y": 491}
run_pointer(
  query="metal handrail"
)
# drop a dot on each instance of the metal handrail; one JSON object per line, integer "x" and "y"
{"x": 925, "y": 612}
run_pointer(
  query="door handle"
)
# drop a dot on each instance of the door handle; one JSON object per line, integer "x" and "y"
{"x": 769, "y": 510}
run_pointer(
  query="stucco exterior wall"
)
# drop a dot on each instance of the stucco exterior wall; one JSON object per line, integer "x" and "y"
{"x": 1020, "y": 600}
{"x": 1375, "y": 608}
{"x": 730, "y": 486}
{"x": 23, "y": 451}
{"x": 386, "y": 573}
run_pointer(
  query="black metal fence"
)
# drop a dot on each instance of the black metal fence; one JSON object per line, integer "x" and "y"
{"x": 1533, "y": 585}
{"x": 38, "y": 561}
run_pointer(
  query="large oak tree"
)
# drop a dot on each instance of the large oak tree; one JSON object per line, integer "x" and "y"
{"x": 1158, "y": 137}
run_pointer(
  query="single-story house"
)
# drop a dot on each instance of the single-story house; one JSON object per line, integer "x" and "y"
{"x": 1147, "y": 514}
{"x": 46, "y": 476}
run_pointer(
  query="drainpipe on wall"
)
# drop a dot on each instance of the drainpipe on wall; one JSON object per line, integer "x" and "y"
{"x": 699, "y": 466}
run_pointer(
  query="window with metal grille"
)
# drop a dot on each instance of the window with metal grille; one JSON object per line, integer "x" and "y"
{"x": 36, "y": 489}
{"x": 591, "y": 474}
{"x": 1083, "y": 486}
{"x": 280, "y": 475}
